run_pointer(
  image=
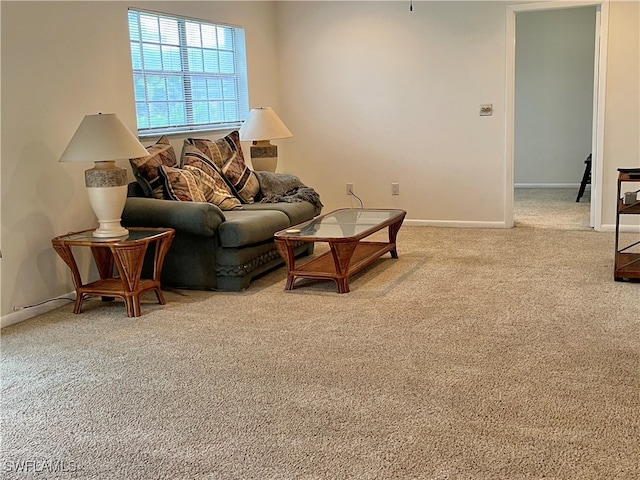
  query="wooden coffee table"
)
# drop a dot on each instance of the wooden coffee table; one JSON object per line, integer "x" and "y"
{"x": 127, "y": 255}
{"x": 344, "y": 231}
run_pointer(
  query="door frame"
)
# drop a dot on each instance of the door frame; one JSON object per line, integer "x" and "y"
{"x": 599, "y": 84}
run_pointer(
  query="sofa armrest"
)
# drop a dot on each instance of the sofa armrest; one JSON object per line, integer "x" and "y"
{"x": 195, "y": 218}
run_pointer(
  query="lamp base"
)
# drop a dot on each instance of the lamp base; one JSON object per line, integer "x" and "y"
{"x": 106, "y": 230}
{"x": 107, "y": 189}
{"x": 108, "y": 204}
{"x": 264, "y": 156}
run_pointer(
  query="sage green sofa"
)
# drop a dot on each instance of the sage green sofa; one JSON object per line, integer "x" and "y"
{"x": 212, "y": 249}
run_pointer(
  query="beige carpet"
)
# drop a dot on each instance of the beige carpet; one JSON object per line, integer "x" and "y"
{"x": 478, "y": 354}
{"x": 552, "y": 208}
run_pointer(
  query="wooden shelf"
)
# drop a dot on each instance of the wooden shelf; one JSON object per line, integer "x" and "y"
{"x": 627, "y": 265}
{"x": 627, "y": 257}
{"x": 324, "y": 265}
{"x": 633, "y": 209}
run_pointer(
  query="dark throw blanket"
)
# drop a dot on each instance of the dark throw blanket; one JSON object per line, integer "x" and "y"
{"x": 283, "y": 187}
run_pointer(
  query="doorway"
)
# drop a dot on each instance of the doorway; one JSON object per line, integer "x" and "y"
{"x": 544, "y": 102}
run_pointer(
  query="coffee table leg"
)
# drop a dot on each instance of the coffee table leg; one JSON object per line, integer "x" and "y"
{"x": 77, "y": 305}
{"x": 393, "y": 234}
{"x": 342, "y": 253}
{"x": 285, "y": 249}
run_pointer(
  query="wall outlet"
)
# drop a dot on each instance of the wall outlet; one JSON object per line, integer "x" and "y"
{"x": 349, "y": 188}
{"x": 395, "y": 189}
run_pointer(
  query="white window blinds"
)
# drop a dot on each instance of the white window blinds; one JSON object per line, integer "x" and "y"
{"x": 187, "y": 74}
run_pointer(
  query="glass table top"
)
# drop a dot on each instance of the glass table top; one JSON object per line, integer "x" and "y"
{"x": 343, "y": 223}
{"x": 134, "y": 235}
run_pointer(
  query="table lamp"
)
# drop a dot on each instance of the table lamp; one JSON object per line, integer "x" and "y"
{"x": 262, "y": 126}
{"x": 103, "y": 139}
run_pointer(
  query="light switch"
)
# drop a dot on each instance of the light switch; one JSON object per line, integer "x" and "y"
{"x": 486, "y": 109}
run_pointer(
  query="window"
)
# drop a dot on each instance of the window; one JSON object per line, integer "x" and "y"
{"x": 187, "y": 74}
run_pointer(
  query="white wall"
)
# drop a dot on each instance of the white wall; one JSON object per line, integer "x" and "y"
{"x": 374, "y": 94}
{"x": 553, "y": 95}
{"x": 377, "y": 94}
{"x": 622, "y": 124}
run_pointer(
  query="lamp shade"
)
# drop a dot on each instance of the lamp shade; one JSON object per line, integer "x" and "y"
{"x": 100, "y": 138}
{"x": 263, "y": 124}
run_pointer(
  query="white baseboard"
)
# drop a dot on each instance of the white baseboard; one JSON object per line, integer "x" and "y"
{"x": 548, "y": 185}
{"x": 610, "y": 227}
{"x": 453, "y": 224}
{"x": 30, "y": 312}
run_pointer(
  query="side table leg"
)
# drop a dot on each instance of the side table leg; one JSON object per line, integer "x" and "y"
{"x": 65, "y": 253}
{"x": 129, "y": 260}
{"x": 162, "y": 248}
{"x": 133, "y": 306}
{"x": 160, "y": 296}
{"x": 104, "y": 261}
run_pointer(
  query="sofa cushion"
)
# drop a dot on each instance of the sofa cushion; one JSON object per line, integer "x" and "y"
{"x": 226, "y": 154}
{"x": 145, "y": 169}
{"x": 245, "y": 227}
{"x": 297, "y": 212}
{"x": 188, "y": 218}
